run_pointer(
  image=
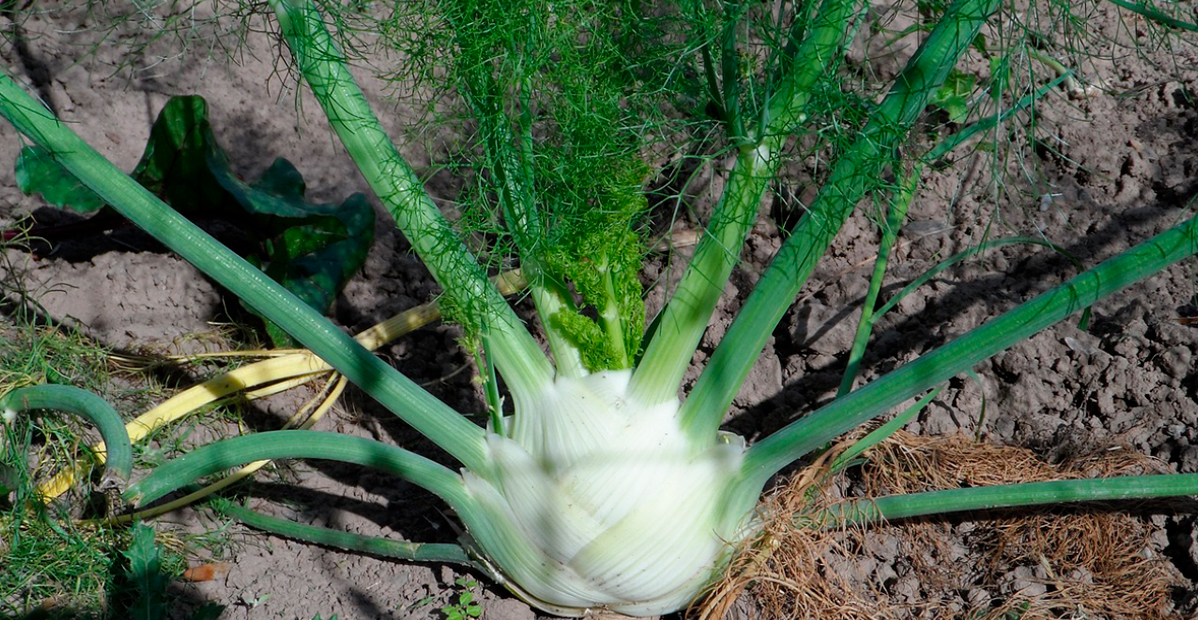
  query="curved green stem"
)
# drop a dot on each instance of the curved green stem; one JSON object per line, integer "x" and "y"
{"x": 895, "y": 216}
{"x": 855, "y": 173}
{"x": 118, "y": 451}
{"x": 374, "y": 545}
{"x": 228, "y": 453}
{"x": 682, "y": 323}
{"x": 870, "y": 401}
{"x": 894, "y": 507}
{"x": 904, "y": 194}
{"x": 434, "y": 419}
{"x": 521, "y": 361}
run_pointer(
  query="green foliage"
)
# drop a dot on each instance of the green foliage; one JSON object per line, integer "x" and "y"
{"x": 45, "y": 559}
{"x": 954, "y": 96}
{"x": 32, "y": 354}
{"x": 53, "y": 563}
{"x": 566, "y": 100}
{"x": 44, "y": 554}
{"x": 147, "y": 579}
{"x": 312, "y": 249}
{"x": 577, "y": 79}
{"x": 145, "y": 575}
{"x": 37, "y": 172}
{"x": 597, "y": 351}
{"x": 598, "y": 248}
{"x": 464, "y": 607}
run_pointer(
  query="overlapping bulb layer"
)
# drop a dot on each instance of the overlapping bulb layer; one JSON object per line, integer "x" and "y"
{"x": 596, "y": 503}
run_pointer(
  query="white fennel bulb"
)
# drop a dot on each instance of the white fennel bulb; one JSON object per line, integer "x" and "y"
{"x": 596, "y": 503}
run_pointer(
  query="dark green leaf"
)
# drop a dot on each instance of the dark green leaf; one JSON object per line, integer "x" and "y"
{"x": 145, "y": 574}
{"x": 311, "y": 249}
{"x": 176, "y": 163}
{"x": 37, "y": 172}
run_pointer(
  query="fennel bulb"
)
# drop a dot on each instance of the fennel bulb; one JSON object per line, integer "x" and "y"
{"x": 595, "y": 502}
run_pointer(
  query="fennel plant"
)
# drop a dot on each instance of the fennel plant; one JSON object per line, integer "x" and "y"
{"x": 593, "y": 486}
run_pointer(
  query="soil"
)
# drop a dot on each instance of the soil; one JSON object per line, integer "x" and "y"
{"x": 1103, "y": 169}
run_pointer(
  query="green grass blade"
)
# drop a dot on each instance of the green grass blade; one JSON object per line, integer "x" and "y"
{"x": 228, "y": 453}
{"x": 683, "y": 321}
{"x": 895, "y": 216}
{"x": 856, "y": 173}
{"x": 465, "y": 282}
{"x": 938, "y": 268}
{"x": 880, "y": 434}
{"x": 436, "y": 420}
{"x": 1010, "y": 496}
{"x": 374, "y": 545}
{"x": 897, "y": 213}
{"x": 905, "y": 193}
{"x": 76, "y": 401}
{"x": 1146, "y": 9}
{"x": 816, "y": 429}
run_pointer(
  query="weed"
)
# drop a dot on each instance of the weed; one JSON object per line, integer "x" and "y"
{"x": 463, "y": 607}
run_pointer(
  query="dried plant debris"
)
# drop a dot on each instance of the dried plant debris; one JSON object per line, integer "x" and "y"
{"x": 1079, "y": 562}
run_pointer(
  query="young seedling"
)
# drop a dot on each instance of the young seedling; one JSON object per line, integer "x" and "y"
{"x": 463, "y": 607}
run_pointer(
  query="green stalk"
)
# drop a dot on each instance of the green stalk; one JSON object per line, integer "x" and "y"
{"x": 228, "y": 453}
{"x": 730, "y": 70}
{"x": 512, "y": 169}
{"x": 985, "y": 246}
{"x": 1146, "y": 9}
{"x": 800, "y": 437}
{"x": 611, "y": 321}
{"x": 713, "y": 83}
{"x": 890, "y": 229}
{"x": 374, "y": 545}
{"x": 855, "y": 174}
{"x": 894, "y": 507}
{"x": 413, "y": 404}
{"x": 894, "y": 220}
{"x": 69, "y": 399}
{"x": 682, "y": 323}
{"x": 523, "y": 364}
{"x": 831, "y": 30}
{"x": 657, "y": 378}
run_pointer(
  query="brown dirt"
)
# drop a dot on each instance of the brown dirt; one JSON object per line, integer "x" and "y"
{"x": 1108, "y": 170}
{"x": 1095, "y": 562}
